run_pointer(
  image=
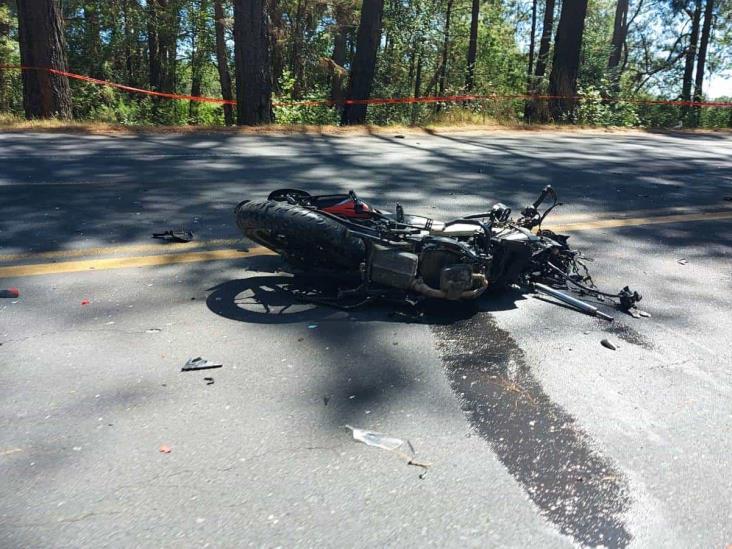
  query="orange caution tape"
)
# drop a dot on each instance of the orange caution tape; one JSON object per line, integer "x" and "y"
{"x": 374, "y": 101}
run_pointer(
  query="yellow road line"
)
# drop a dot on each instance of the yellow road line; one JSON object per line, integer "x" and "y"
{"x": 561, "y": 218}
{"x": 127, "y": 262}
{"x": 640, "y": 221}
{"x": 214, "y": 255}
{"x": 124, "y": 249}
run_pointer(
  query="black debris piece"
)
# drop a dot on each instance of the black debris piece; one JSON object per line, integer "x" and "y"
{"x": 174, "y": 236}
{"x": 208, "y": 380}
{"x": 608, "y": 344}
{"x": 199, "y": 363}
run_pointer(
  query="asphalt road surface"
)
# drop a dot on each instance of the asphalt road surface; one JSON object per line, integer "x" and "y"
{"x": 536, "y": 435}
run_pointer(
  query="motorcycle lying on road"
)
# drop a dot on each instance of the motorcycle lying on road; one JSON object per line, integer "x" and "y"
{"x": 396, "y": 256}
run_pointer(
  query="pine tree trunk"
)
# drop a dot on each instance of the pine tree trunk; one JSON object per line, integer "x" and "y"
{"x": 473, "y": 45}
{"x": 198, "y": 55}
{"x": 702, "y": 60}
{"x": 42, "y": 44}
{"x": 445, "y": 54}
{"x": 252, "y": 59}
{"x": 339, "y": 54}
{"x": 417, "y": 85}
{"x": 277, "y": 53}
{"x": 620, "y": 33}
{"x": 363, "y": 66}
{"x": 691, "y": 55}
{"x": 546, "y": 40}
{"x": 297, "y": 65}
{"x": 566, "y": 60}
{"x": 153, "y": 46}
{"x": 93, "y": 41}
{"x": 534, "y": 110}
{"x": 222, "y": 61}
{"x": 532, "y": 46}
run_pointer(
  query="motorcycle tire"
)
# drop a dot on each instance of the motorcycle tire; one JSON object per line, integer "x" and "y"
{"x": 303, "y": 236}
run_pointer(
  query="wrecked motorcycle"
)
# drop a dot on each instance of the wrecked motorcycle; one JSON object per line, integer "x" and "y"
{"x": 394, "y": 255}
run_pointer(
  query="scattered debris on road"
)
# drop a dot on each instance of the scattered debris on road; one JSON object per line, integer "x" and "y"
{"x": 682, "y": 261}
{"x": 326, "y": 399}
{"x": 10, "y": 293}
{"x": 608, "y": 344}
{"x": 85, "y": 302}
{"x": 576, "y": 303}
{"x": 391, "y": 444}
{"x": 153, "y": 330}
{"x": 199, "y": 363}
{"x": 10, "y": 451}
{"x": 175, "y": 236}
{"x": 312, "y": 326}
{"x": 165, "y": 449}
{"x": 728, "y": 198}
{"x": 208, "y": 380}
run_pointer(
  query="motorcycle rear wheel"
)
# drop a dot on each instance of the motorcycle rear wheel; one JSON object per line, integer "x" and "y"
{"x": 304, "y": 237}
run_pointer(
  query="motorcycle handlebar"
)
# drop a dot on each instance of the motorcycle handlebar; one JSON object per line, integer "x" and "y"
{"x": 548, "y": 190}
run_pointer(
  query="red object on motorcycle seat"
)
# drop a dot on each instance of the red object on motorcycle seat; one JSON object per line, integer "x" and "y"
{"x": 347, "y": 208}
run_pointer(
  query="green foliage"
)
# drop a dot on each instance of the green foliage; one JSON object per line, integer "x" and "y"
{"x": 595, "y": 109}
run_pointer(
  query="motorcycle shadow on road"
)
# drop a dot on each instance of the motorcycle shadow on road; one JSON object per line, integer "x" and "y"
{"x": 271, "y": 295}
{"x": 281, "y": 298}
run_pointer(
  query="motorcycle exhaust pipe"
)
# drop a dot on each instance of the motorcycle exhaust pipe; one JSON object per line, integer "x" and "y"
{"x": 569, "y": 300}
{"x": 419, "y": 286}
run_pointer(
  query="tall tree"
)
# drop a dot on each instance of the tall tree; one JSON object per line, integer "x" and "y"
{"x": 566, "y": 60}
{"x": 617, "y": 44}
{"x": 473, "y": 44}
{"x": 546, "y": 40}
{"x": 691, "y": 53}
{"x": 702, "y": 60}
{"x": 341, "y": 12}
{"x": 252, "y": 59}
{"x": 93, "y": 39}
{"x": 532, "y": 108}
{"x": 42, "y": 44}
{"x": 532, "y": 46}
{"x": 222, "y": 61}
{"x": 445, "y": 50}
{"x": 297, "y": 63}
{"x": 200, "y": 45}
{"x": 163, "y": 26}
{"x": 363, "y": 66}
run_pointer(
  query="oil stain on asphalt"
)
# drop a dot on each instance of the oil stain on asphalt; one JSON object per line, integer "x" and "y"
{"x": 573, "y": 485}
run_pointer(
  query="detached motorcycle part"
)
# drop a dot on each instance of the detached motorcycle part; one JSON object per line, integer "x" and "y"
{"x": 301, "y": 235}
{"x": 569, "y": 300}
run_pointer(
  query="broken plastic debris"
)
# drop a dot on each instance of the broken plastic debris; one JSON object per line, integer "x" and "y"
{"x": 682, "y": 261}
{"x": 174, "y": 236}
{"x": 312, "y": 326}
{"x": 608, "y": 344}
{"x": 165, "y": 449}
{"x": 392, "y": 444}
{"x": 372, "y": 438}
{"x": 199, "y": 363}
{"x": 10, "y": 292}
{"x": 208, "y": 380}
